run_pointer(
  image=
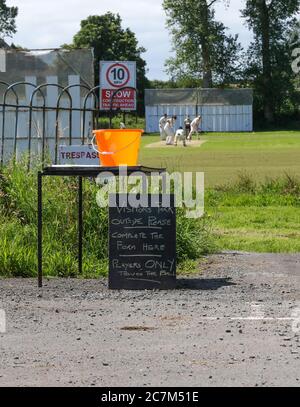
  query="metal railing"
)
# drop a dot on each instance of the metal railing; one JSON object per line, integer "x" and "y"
{"x": 50, "y": 115}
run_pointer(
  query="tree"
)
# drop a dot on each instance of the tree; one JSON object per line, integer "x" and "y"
{"x": 269, "y": 59}
{"x": 202, "y": 47}
{"x": 160, "y": 84}
{"x": 111, "y": 42}
{"x": 7, "y": 19}
{"x": 183, "y": 82}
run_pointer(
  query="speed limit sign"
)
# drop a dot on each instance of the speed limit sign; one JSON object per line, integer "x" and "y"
{"x": 118, "y": 75}
{"x": 115, "y": 76}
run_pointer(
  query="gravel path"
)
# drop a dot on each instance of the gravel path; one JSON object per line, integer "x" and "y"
{"x": 234, "y": 324}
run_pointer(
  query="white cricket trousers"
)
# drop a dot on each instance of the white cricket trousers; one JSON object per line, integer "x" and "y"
{"x": 170, "y": 136}
{"x": 163, "y": 135}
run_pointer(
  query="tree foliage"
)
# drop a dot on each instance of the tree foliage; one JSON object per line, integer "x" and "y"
{"x": 202, "y": 47}
{"x": 268, "y": 61}
{"x": 7, "y": 19}
{"x": 111, "y": 42}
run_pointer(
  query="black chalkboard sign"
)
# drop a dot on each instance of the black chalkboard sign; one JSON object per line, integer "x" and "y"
{"x": 142, "y": 243}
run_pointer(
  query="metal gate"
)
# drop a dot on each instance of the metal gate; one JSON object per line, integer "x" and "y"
{"x": 37, "y": 119}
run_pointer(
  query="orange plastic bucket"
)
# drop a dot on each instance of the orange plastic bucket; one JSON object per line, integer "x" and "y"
{"x": 118, "y": 147}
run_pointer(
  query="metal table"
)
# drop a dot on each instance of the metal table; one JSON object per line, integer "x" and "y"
{"x": 80, "y": 172}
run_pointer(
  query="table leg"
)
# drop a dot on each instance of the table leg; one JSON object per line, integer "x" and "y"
{"x": 40, "y": 229}
{"x": 80, "y": 225}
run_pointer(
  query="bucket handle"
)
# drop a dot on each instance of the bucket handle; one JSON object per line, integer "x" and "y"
{"x": 112, "y": 152}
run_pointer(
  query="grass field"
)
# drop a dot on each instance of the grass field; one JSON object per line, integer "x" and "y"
{"x": 259, "y": 211}
{"x": 256, "y": 228}
{"x": 225, "y": 154}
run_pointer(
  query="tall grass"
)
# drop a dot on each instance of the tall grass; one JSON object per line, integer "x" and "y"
{"x": 18, "y": 227}
{"x": 229, "y": 204}
{"x": 245, "y": 191}
{"x": 288, "y": 184}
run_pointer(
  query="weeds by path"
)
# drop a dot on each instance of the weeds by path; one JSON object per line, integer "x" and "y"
{"x": 18, "y": 228}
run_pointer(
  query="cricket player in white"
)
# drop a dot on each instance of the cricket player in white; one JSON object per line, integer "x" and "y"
{"x": 194, "y": 127}
{"x": 162, "y": 123}
{"x": 169, "y": 130}
{"x": 180, "y": 135}
{"x": 187, "y": 125}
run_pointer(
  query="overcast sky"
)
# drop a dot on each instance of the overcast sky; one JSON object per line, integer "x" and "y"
{"x": 48, "y": 24}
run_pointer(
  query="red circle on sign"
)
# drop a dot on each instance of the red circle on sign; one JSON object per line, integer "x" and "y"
{"x": 123, "y": 84}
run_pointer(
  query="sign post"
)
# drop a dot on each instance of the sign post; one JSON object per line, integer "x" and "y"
{"x": 116, "y": 76}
